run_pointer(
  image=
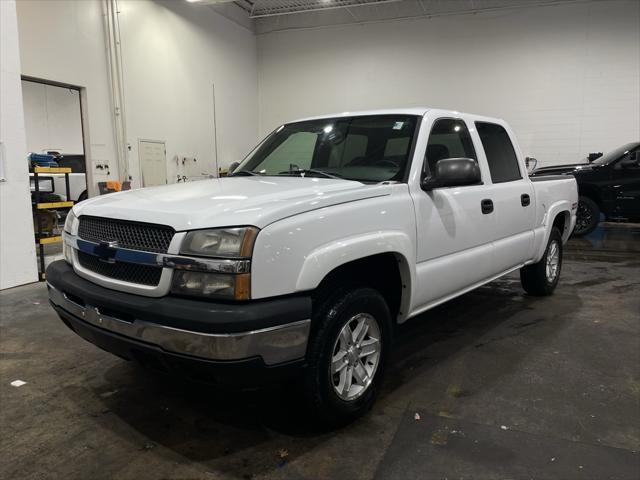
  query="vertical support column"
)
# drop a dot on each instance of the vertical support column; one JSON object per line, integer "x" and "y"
{"x": 116, "y": 80}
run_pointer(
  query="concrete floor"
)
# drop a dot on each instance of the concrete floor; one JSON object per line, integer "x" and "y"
{"x": 494, "y": 384}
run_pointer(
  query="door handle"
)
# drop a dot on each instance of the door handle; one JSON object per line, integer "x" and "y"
{"x": 487, "y": 205}
{"x": 525, "y": 200}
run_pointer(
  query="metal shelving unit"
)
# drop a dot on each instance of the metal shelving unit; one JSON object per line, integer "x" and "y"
{"x": 40, "y": 207}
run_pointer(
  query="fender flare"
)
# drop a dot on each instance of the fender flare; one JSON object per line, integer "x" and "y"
{"x": 326, "y": 258}
{"x": 562, "y": 206}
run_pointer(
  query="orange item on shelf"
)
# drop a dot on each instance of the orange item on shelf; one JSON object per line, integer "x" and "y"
{"x": 114, "y": 185}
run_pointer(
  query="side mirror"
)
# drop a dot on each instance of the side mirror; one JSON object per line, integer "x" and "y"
{"x": 531, "y": 164}
{"x": 453, "y": 172}
{"x": 594, "y": 156}
{"x": 233, "y": 166}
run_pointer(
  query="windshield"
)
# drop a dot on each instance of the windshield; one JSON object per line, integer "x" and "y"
{"x": 615, "y": 154}
{"x": 367, "y": 149}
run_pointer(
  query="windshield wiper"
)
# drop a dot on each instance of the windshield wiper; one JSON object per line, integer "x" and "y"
{"x": 241, "y": 173}
{"x": 311, "y": 171}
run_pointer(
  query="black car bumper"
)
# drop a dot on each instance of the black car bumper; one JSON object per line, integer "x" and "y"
{"x": 236, "y": 344}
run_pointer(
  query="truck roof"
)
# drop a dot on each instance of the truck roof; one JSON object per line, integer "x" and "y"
{"x": 420, "y": 111}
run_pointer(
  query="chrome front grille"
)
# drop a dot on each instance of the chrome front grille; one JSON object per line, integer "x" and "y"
{"x": 126, "y": 272}
{"x": 146, "y": 237}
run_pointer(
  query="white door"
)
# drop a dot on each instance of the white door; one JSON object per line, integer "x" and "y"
{"x": 512, "y": 195}
{"x": 153, "y": 162}
{"x": 454, "y": 248}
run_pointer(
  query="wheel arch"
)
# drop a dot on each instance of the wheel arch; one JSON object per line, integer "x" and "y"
{"x": 559, "y": 214}
{"x": 379, "y": 260}
{"x": 562, "y": 221}
{"x": 591, "y": 192}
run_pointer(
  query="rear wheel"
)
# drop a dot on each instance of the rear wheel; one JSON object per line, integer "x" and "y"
{"x": 347, "y": 354}
{"x": 542, "y": 278}
{"x": 588, "y": 216}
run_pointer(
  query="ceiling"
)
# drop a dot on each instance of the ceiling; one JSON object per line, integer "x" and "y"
{"x": 265, "y": 16}
{"x": 262, "y": 8}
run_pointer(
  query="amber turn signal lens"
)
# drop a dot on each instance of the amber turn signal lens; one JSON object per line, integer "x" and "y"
{"x": 243, "y": 286}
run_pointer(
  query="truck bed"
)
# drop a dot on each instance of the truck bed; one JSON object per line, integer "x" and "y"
{"x": 546, "y": 178}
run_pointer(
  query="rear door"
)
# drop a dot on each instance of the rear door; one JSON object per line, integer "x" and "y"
{"x": 511, "y": 193}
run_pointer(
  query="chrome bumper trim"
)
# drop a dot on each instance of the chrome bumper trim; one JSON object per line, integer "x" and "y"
{"x": 112, "y": 254}
{"x": 274, "y": 344}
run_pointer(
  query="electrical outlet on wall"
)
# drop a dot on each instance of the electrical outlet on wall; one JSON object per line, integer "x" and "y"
{"x": 191, "y": 166}
{"x": 101, "y": 167}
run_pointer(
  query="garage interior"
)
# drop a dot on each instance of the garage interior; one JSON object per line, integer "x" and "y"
{"x": 132, "y": 94}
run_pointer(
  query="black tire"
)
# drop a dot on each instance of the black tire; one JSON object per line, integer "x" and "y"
{"x": 83, "y": 196}
{"x": 331, "y": 315}
{"x": 535, "y": 279}
{"x": 588, "y": 216}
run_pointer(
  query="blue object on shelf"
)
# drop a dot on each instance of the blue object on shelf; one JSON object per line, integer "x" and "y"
{"x": 42, "y": 160}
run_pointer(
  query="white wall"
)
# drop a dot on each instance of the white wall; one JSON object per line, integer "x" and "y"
{"x": 52, "y": 118}
{"x": 63, "y": 41}
{"x": 173, "y": 53}
{"x": 17, "y": 247}
{"x": 566, "y": 77}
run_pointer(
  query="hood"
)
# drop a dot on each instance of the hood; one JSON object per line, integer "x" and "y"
{"x": 225, "y": 202}
{"x": 562, "y": 169}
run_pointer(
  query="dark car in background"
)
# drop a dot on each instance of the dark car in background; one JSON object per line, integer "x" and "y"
{"x": 609, "y": 185}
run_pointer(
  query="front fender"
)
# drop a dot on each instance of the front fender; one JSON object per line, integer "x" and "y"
{"x": 328, "y": 257}
{"x": 295, "y": 254}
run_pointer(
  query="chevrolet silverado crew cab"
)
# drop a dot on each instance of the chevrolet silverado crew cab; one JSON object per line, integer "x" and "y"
{"x": 301, "y": 262}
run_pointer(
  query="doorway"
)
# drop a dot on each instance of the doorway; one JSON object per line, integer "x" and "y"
{"x": 57, "y": 160}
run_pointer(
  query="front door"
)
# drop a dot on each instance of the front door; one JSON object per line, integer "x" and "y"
{"x": 454, "y": 235}
{"x": 626, "y": 173}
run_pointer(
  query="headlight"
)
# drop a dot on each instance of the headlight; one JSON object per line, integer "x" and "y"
{"x": 212, "y": 285}
{"x": 70, "y": 227}
{"x": 71, "y": 223}
{"x": 221, "y": 242}
{"x": 230, "y": 279}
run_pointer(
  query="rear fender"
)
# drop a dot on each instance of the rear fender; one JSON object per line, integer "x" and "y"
{"x": 542, "y": 234}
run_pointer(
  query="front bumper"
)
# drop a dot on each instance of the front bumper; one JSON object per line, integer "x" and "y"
{"x": 273, "y": 332}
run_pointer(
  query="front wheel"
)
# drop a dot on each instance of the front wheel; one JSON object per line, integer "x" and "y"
{"x": 346, "y": 355}
{"x": 542, "y": 278}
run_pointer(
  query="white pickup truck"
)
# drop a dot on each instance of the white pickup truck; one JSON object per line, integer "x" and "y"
{"x": 332, "y": 231}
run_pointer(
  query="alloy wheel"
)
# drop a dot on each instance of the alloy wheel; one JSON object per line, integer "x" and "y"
{"x": 355, "y": 356}
{"x": 552, "y": 266}
{"x": 584, "y": 217}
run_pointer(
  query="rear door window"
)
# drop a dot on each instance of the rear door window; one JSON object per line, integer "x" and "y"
{"x": 501, "y": 156}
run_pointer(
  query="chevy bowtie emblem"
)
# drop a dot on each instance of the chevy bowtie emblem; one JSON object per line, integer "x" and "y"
{"x": 106, "y": 251}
